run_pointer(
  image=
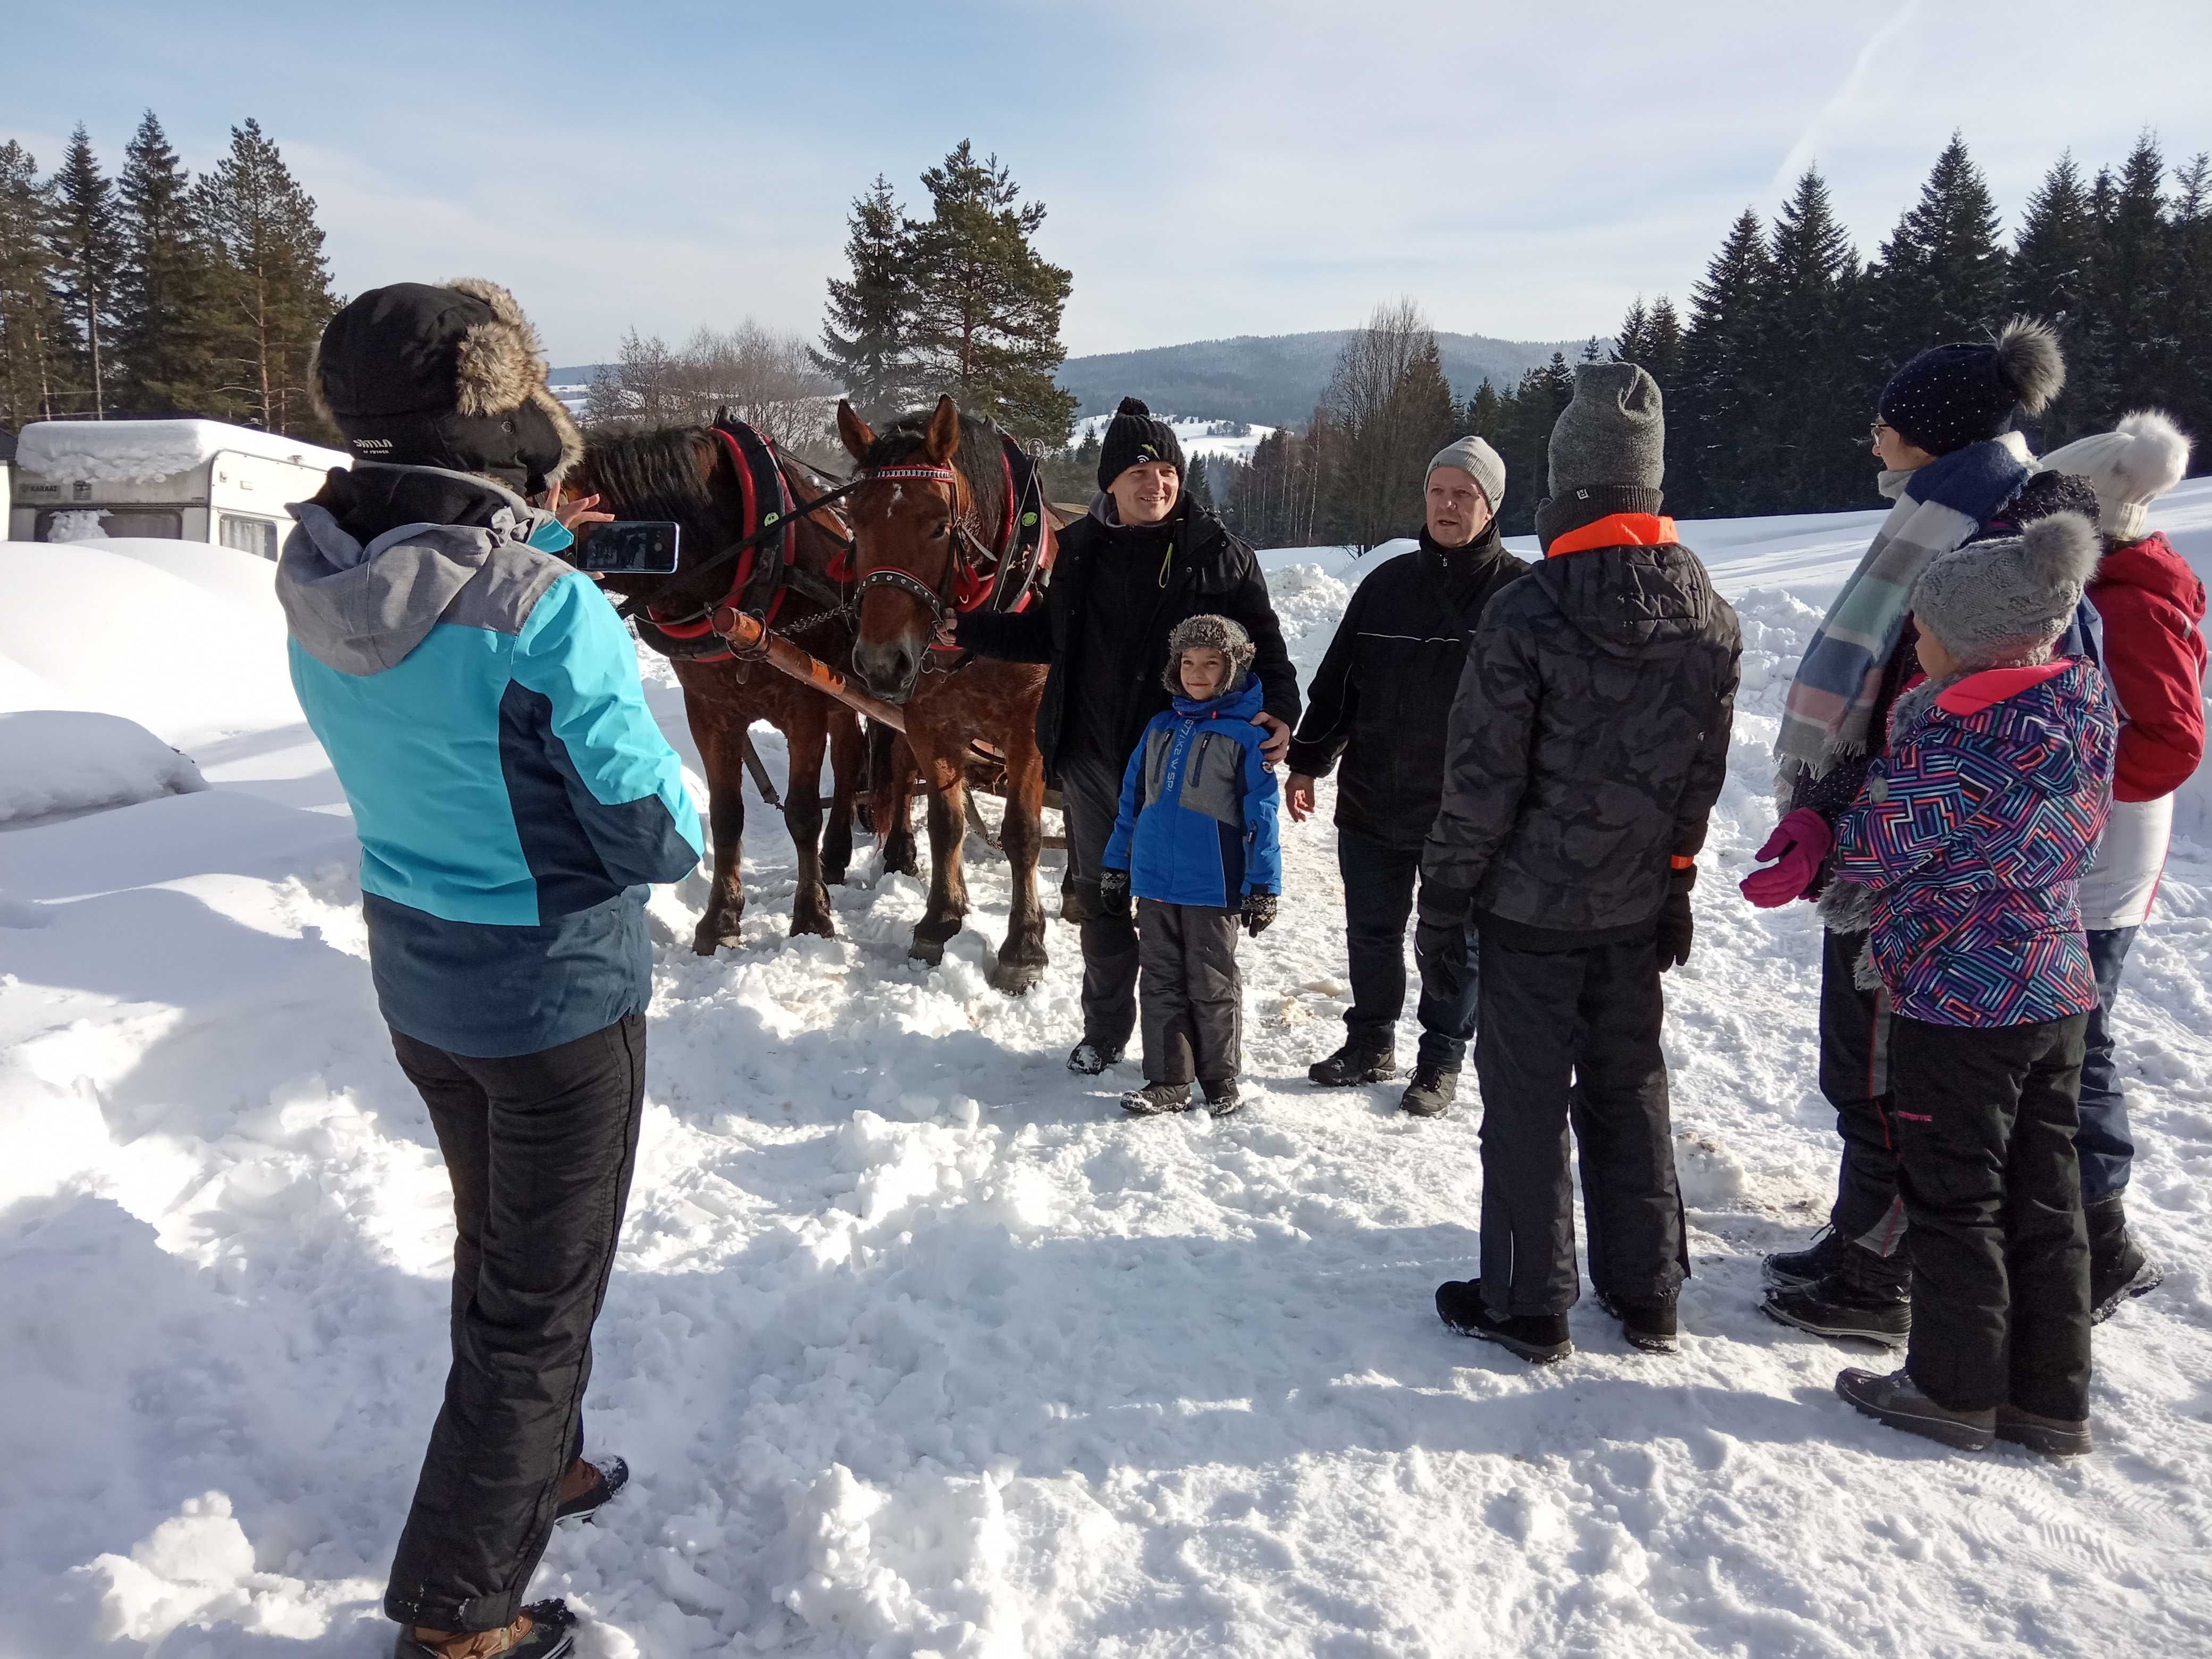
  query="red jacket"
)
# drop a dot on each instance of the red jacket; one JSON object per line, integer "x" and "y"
{"x": 2152, "y": 603}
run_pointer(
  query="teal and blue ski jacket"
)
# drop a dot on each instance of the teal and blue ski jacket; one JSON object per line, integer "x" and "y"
{"x": 1197, "y": 824}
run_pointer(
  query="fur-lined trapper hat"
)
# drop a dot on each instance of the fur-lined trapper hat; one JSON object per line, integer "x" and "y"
{"x": 451, "y": 377}
{"x": 1971, "y": 391}
{"x": 1999, "y": 602}
{"x": 1210, "y": 632}
{"x": 2129, "y": 468}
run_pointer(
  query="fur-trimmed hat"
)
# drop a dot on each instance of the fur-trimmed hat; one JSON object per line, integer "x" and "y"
{"x": 2130, "y": 467}
{"x": 1209, "y": 633}
{"x": 451, "y": 376}
{"x": 1970, "y": 392}
{"x": 1135, "y": 436}
{"x": 2003, "y": 601}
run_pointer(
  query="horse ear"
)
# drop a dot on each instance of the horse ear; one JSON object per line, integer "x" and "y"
{"x": 944, "y": 432}
{"x": 859, "y": 440}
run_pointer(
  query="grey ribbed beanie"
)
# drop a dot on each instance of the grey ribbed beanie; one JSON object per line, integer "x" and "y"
{"x": 1471, "y": 456}
{"x": 1614, "y": 434}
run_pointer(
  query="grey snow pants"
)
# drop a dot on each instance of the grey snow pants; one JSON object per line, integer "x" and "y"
{"x": 1192, "y": 995}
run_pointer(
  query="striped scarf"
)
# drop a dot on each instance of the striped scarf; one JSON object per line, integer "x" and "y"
{"x": 1826, "y": 716}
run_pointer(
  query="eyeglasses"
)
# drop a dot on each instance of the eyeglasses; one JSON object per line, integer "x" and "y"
{"x": 1880, "y": 427}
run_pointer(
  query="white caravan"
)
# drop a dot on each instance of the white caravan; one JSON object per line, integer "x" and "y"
{"x": 194, "y": 480}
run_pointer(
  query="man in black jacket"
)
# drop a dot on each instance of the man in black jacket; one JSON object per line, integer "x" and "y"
{"x": 1382, "y": 699}
{"x": 1587, "y": 746}
{"x": 1144, "y": 559}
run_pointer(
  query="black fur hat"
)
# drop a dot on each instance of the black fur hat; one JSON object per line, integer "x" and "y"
{"x": 1135, "y": 436}
{"x": 451, "y": 376}
{"x": 1968, "y": 392}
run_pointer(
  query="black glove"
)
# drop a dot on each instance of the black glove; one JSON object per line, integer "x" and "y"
{"x": 1113, "y": 893}
{"x": 1259, "y": 912}
{"x": 1445, "y": 906}
{"x": 1676, "y": 930}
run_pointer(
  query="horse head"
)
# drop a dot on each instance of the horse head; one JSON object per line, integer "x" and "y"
{"x": 675, "y": 473}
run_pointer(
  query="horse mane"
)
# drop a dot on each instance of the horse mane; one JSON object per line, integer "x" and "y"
{"x": 655, "y": 475}
{"x": 979, "y": 457}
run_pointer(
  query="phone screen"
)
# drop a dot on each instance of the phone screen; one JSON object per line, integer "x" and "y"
{"x": 632, "y": 547}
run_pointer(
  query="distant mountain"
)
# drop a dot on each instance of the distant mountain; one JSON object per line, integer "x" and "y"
{"x": 1276, "y": 379}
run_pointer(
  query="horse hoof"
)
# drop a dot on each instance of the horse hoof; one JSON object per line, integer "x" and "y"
{"x": 925, "y": 949}
{"x": 833, "y": 877}
{"x": 1015, "y": 978}
{"x": 821, "y": 926}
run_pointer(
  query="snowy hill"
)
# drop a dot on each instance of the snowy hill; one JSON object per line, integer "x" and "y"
{"x": 916, "y": 1346}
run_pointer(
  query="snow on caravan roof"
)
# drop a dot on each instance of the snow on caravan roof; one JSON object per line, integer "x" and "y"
{"x": 142, "y": 452}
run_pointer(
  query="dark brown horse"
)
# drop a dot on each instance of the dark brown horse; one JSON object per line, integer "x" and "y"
{"x": 934, "y": 498}
{"x": 689, "y": 475}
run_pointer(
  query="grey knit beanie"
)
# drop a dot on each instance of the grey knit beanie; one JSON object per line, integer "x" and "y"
{"x": 1998, "y": 602}
{"x": 1614, "y": 434}
{"x": 1471, "y": 456}
{"x": 1209, "y": 633}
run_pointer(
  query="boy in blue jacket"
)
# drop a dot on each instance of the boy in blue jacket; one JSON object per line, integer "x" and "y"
{"x": 1195, "y": 843}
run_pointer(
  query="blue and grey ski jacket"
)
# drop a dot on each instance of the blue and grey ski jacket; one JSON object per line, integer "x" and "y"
{"x": 1197, "y": 825}
{"x": 480, "y": 701}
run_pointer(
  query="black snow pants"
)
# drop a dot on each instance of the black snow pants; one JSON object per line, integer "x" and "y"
{"x": 1855, "y": 1076}
{"x": 1573, "y": 1036}
{"x": 1090, "y": 799}
{"x": 1985, "y": 1120}
{"x": 1192, "y": 997}
{"x": 539, "y": 1148}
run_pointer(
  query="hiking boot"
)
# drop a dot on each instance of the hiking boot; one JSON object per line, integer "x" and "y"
{"x": 2119, "y": 1268}
{"x": 1350, "y": 1066}
{"x": 1648, "y": 1322}
{"x": 545, "y": 1630}
{"x": 1792, "y": 1270}
{"x": 1221, "y": 1097}
{"x": 1867, "y": 1298}
{"x": 1896, "y": 1401}
{"x": 589, "y": 1483}
{"x": 1432, "y": 1089}
{"x": 2054, "y": 1436}
{"x": 1088, "y": 1059}
{"x": 1540, "y": 1338}
{"x": 1157, "y": 1097}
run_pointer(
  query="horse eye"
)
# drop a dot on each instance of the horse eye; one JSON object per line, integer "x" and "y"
{"x": 939, "y": 532}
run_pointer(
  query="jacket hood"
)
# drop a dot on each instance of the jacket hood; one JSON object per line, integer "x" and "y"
{"x": 2034, "y": 720}
{"x": 2152, "y": 566}
{"x": 1240, "y": 702}
{"x": 363, "y": 579}
{"x": 1631, "y": 600}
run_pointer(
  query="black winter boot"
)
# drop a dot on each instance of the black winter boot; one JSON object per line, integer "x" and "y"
{"x": 1432, "y": 1089}
{"x": 1648, "y": 1322}
{"x": 547, "y": 1630}
{"x": 2119, "y": 1268}
{"x": 2054, "y": 1436}
{"x": 1540, "y": 1338}
{"x": 1157, "y": 1097}
{"x": 1221, "y": 1097}
{"x": 1792, "y": 1270}
{"x": 1088, "y": 1059}
{"x": 1868, "y": 1296}
{"x": 1896, "y": 1401}
{"x": 1350, "y": 1066}
{"x": 609, "y": 1475}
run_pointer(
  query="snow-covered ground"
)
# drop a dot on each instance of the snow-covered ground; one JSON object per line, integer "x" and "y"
{"x": 1197, "y": 434}
{"x": 916, "y": 1345}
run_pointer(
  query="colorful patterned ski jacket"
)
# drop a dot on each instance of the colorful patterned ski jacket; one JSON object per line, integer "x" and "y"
{"x": 1971, "y": 835}
{"x": 1197, "y": 825}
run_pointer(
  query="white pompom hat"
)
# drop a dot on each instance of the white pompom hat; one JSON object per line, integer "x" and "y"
{"x": 2129, "y": 467}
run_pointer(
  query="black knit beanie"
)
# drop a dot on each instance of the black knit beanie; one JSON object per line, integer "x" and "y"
{"x": 451, "y": 376}
{"x": 1134, "y": 437}
{"x": 1969, "y": 392}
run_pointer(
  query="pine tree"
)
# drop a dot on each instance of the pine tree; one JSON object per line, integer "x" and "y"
{"x": 1802, "y": 455}
{"x": 2125, "y": 347}
{"x": 270, "y": 286}
{"x": 2188, "y": 327}
{"x": 1713, "y": 421}
{"x": 1484, "y": 413}
{"x": 984, "y": 319}
{"x": 864, "y": 336}
{"x": 2053, "y": 278}
{"x": 1630, "y": 344}
{"x": 162, "y": 292}
{"x": 34, "y": 334}
{"x": 1195, "y": 483}
{"x": 87, "y": 246}
{"x": 1942, "y": 273}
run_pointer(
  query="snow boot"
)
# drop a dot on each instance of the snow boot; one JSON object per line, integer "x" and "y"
{"x": 1349, "y": 1067}
{"x": 1648, "y": 1322}
{"x": 2119, "y": 1268}
{"x": 1540, "y": 1338}
{"x": 1792, "y": 1270}
{"x": 1088, "y": 1059}
{"x": 1867, "y": 1297}
{"x": 2054, "y": 1436}
{"x": 1896, "y": 1401}
{"x": 546, "y": 1630}
{"x": 1221, "y": 1097}
{"x": 1432, "y": 1089}
{"x": 607, "y": 1476}
{"x": 1157, "y": 1097}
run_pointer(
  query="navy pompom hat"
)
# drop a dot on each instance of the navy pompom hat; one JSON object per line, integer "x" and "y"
{"x": 1971, "y": 391}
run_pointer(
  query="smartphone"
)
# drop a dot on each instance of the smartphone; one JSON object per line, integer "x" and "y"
{"x": 632, "y": 547}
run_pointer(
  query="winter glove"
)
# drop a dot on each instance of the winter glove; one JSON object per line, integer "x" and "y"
{"x": 1445, "y": 906}
{"x": 1798, "y": 846}
{"x": 1113, "y": 893}
{"x": 1676, "y": 931}
{"x": 1259, "y": 913}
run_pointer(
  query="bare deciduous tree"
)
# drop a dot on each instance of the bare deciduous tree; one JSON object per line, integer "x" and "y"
{"x": 763, "y": 378}
{"x": 1388, "y": 409}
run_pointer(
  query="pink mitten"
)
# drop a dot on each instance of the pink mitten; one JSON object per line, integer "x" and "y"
{"x": 1798, "y": 844}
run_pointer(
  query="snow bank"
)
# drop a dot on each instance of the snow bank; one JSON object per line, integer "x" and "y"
{"x": 1194, "y": 433}
{"x": 145, "y": 452}
{"x": 54, "y": 762}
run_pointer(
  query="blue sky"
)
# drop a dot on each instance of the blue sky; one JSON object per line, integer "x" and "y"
{"x": 1520, "y": 170}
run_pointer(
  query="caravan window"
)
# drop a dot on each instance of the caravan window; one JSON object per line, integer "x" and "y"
{"x": 248, "y": 535}
{"x": 66, "y": 523}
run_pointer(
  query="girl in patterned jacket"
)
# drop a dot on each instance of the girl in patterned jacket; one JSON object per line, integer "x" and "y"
{"x": 1962, "y": 860}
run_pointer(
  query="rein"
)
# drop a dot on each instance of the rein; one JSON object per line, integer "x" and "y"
{"x": 965, "y": 587}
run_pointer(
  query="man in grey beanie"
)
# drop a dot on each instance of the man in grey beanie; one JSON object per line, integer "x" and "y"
{"x": 1587, "y": 747}
{"x": 1382, "y": 700}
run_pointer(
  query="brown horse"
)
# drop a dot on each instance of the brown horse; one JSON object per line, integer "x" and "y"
{"x": 689, "y": 475}
{"x": 932, "y": 481}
